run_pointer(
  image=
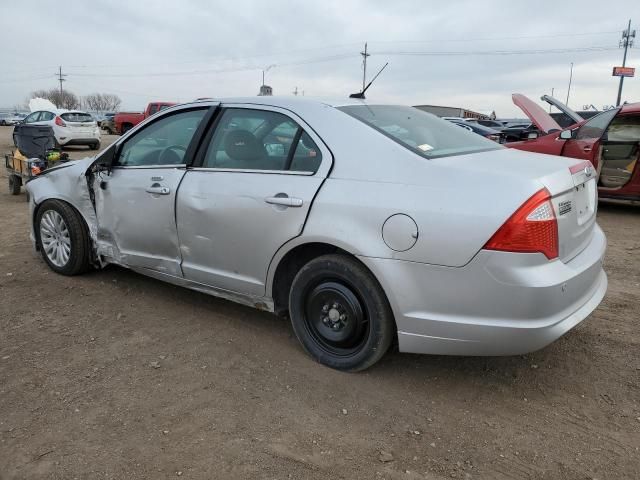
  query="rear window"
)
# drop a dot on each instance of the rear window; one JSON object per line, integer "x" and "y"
{"x": 76, "y": 117}
{"x": 419, "y": 131}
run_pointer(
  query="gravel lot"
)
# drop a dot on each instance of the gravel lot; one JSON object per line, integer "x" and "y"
{"x": 114, "y": 375}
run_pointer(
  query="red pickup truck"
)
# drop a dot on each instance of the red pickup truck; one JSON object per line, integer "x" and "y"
{"x": 125, "y": 121}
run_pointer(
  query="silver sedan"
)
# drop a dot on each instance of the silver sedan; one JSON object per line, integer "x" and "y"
{"x": 365, "y": 224}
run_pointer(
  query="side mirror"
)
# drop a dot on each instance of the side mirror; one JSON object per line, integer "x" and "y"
{"x": 566, "y": 135}
{"x": 532, "y": 135}
{"x": 106, "y": 159}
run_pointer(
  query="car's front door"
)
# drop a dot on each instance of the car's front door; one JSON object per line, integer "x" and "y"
{"x": 135, "y": 203}
{"x": 250, "y": 193}
{"x": 585, "y": 143}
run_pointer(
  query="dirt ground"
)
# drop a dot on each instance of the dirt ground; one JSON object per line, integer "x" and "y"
{"x": 115, "y": 375}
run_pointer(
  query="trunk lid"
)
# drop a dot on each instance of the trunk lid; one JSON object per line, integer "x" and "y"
{"x": 79, "y": 122}
{"x": 536, "y": 113}
{"x": 563, "y": 108}
{"x": 516, "y": 175}
{"x": 575, "y": 210}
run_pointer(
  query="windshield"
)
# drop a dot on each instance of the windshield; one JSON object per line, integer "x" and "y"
{"x": 77, "y": 117}
{"x": 419, "y": 131}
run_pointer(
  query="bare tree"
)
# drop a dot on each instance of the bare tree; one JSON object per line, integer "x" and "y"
{"x": 61, "y": 99}
{"x": 101, "y": 102}
{"x": 112, "y": 101}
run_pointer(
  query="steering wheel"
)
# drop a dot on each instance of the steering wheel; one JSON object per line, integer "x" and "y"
{"x": 165, "y": 159}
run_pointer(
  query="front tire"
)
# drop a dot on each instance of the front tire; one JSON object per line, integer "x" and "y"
{"x": 340, "y": 313}
{"x": 95, "y": 146}
{"x": 63, "y": 238}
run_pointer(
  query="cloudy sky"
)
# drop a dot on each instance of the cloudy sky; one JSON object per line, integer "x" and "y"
{"x": 472, "y": 54}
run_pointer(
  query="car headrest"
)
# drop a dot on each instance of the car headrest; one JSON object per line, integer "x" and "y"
{"x": 243, "y": 145}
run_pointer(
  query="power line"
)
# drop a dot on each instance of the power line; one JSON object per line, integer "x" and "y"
{"x": 344, "y": 56}
{"x": 489, "y": 39}
{"x": 215, "y": 71}
{"x": 494, "y": 52}
{"x": 336, "y": 46}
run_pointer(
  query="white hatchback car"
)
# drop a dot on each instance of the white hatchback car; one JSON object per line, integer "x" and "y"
{"x": 70, "y": 127}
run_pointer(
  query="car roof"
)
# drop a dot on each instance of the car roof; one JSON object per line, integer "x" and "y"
{"x": 291, "y": 101}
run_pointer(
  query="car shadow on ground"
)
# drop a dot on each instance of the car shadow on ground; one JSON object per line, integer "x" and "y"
{"x": 274, "y": 330}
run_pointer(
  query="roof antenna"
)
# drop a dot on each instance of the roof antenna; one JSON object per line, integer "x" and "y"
{"x": 361, "y": 94}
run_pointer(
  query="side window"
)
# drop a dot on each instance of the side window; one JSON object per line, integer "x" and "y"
{"x": 307, "y": 156}
{"x": 261, "y": 140}
{"x": 33, "y": 117}
{"x": 624, "y": 128}
{"x": 164, "y": 142}
{"x": 153, "y": 108}
{"x": 595, "y": 127}
{"x": 46, "y": 116}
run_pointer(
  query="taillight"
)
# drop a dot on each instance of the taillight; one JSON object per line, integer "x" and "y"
{"x": 578, "y": 167}
{"x": 532, "y": 228}
{"x": 60, "y": 122}
{"x": 494, "y": 137}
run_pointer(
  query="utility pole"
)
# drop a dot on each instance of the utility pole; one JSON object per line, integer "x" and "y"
{"x": 60, "y": 79}
{"x": 295, "y": 92}
{"x": 569, "y": 89}
{"x": 364, "y": 69}
{"x": 626, "y": 42}
{"x": 552, "y": 90}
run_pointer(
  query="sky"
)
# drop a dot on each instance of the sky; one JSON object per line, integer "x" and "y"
{"x": 471, "y": 54}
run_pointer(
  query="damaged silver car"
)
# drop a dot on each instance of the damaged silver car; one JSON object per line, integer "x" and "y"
{"x": 363, "y": 223}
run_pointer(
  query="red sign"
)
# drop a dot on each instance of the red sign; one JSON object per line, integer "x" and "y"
{"x": 623, "y": 71}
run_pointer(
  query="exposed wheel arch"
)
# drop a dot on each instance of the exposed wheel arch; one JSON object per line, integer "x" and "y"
{"x": 291, "y": 263}
{"x": 289, "y": 266}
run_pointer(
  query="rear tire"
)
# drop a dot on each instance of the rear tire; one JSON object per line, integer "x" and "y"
{"x": 15, "y": 183}
{"x": 95, "y": 146}
{"x": 340, "y": 313}
{"x": 63, "y": 238}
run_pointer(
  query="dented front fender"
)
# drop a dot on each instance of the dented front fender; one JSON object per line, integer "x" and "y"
{"x": 68, "y": 183}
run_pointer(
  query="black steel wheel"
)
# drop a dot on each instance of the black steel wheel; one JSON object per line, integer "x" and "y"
{"x": 340, "y": 313}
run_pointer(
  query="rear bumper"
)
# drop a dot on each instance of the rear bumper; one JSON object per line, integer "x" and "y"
{"x": 499, "y": 304}
{"x": 81, "y": 141}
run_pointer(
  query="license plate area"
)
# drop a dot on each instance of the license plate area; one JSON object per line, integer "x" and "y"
{"x": 584, "y": 199}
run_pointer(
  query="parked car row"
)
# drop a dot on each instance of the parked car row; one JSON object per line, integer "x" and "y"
{"x": 8, "y": 119}
{"x": 487, "y": 132}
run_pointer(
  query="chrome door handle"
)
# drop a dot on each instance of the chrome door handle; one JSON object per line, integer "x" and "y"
{"x": 284, "y": 201}
{"x": 158, "y": 190}
{"x": 587, "y": 149}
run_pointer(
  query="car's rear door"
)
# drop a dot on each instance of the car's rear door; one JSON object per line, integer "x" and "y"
{"x": 250, "y": 192}
{"x": 135, "y": 203}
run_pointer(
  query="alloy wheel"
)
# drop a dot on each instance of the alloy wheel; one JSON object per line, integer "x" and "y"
{"x": 55, "y": 238}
